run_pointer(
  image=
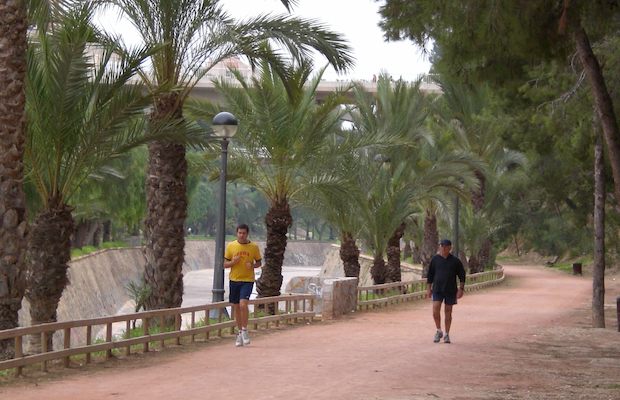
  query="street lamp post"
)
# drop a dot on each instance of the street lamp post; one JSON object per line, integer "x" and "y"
{"x": 224, "y": 126}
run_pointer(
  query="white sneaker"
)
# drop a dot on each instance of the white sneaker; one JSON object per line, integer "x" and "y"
{"x": 245, "y": 337}
{"x": 239, "y": 341}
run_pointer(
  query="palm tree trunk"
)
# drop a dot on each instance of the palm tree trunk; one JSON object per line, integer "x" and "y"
{"x": 349, "y": 254}
{"x": 598, "y": 269}
{"x": 416, "y": 253}
{"x": 13, "y": 224}
{"x": 463, "y": 257}
{"x": 278, "y": 220}
{"x": 393, "y": 254}
{"x": 378, "y": 270}
{"x": 166, "y": 211}
{"x": 477, "y": 195}
{"x": 477, "y": 198}
{"x": 602, "y": 102}
{"x": 106, "y": 234}
{"x": 431, "y": 240}
{"x": 48, "y": 254}
{"x": 407, "y": 250}
{"x": 474, "y": 264}
{"x": 484, "y": 254}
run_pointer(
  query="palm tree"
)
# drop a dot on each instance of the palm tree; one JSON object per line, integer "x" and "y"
{"x": 13, "y": 229}
{"x": 82, "y": 111}
{"x": 464, "y": 111}
{"x": 283, "y": 136}
{"x": 195, "y": 35}
{"x": 342, "y": 210}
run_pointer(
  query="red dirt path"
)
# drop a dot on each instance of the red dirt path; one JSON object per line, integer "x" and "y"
{"x": 528, "y": 338}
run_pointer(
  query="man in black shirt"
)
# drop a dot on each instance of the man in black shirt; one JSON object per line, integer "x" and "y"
{"x": 441, "y": 282}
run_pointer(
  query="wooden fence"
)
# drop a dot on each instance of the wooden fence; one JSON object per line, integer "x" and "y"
{"x": 287, "y": 309}
{"x": 377, "y": 296}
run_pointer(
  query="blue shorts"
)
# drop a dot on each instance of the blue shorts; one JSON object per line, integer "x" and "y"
{"x": 240, "y": 291}
{"x": 448, "y": 298}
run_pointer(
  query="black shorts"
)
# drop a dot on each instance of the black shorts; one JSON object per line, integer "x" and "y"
{"x": 240, "y": 291}
{"x": 448, "y": 298}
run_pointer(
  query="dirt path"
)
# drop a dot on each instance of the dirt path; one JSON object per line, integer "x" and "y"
{"x": 526, "y": 339}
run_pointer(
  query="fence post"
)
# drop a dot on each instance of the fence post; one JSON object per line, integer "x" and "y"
{"x": 145, "y": 332}
{"x": 19, "y": 353}
{"x": 89, "y": 341}
{"x": 108, "y": 339}
{"x": 44, "y": 350}
{"x": 67, "y": 345}
{"x": 177, "y": 320}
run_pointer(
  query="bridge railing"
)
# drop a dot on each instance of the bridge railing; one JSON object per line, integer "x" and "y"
{"x": 284, "y": 309}
{"x": 370, "y": 297}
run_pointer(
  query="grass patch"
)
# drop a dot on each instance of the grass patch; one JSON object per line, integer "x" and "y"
{"x": 228, "y": 238}
{"x": 380, "y": 295}
{"x": 212, "y": 321}
{"x": 91, "y": 249}
{"x": 567, "y": 266}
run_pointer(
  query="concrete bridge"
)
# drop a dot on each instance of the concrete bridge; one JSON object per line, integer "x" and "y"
{"x": 205, "y": 89}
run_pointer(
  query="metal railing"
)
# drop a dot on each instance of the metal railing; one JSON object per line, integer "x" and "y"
{"x": 370, "y": 297}
{"x": 285, "y": 308}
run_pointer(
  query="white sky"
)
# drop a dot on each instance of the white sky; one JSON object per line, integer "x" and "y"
{"x": 356, "y": 20}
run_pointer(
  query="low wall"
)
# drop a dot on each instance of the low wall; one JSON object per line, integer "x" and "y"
{"x": 334, "y": 296}
{"x": 339, "y": 297}
{"x": 333, "y": 267}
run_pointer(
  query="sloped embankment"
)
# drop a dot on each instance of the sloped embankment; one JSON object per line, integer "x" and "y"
{"x": 98, "y": 281}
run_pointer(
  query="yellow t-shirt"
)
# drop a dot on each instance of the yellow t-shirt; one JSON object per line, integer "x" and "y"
{"x": 249, "y": 253}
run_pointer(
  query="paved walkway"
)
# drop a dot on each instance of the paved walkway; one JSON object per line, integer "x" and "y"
{"x": 504, "y": 343}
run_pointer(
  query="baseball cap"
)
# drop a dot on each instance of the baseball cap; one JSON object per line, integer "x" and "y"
{"x": 445, "y": 242}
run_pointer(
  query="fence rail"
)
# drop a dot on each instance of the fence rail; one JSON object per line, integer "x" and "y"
{"x": 286, "y": 308}
{"x": 370, "y": 297}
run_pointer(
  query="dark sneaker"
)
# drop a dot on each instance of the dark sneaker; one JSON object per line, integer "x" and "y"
{"x": 438, "y": 336}
{"x": 446, "y": 339}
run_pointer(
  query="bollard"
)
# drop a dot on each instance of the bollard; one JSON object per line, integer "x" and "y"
{"x": 577, "y": 269}
{"x": 618, "y": 311}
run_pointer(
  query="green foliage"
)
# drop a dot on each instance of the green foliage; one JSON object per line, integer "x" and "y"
{"x": 91, "y": 249}
{"x": 139, "y": 292}
{"x": 494, "y": 41}
{"x": 283, "y": 134}
{"x": 196, "y": 35}
{"x": 83, "y": 251}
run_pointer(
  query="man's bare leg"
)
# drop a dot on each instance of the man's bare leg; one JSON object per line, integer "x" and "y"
{"x": 243, "y": 314}
{"x": 448, "y": 317}
{"x": 237, "y": 314}
{"x": 437, "y": 314}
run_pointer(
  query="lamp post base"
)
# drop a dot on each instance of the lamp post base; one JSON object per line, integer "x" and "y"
{"x": 218, "y": 295}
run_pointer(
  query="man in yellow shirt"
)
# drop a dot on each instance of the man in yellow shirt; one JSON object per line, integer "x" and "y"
{"x": 242, "y": 257}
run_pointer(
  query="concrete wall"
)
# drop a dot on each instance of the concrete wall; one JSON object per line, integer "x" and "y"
{"x": 97, "y": 282}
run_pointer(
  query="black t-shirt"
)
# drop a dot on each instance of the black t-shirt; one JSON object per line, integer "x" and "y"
{"x": 442, "y": 273}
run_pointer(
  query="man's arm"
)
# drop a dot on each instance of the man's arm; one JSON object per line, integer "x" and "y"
{"x": 233, "y": 261}
{"x": 257, "y": 258}
{"x": 430, "y": 278}
{"x": 460, "y": 271}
